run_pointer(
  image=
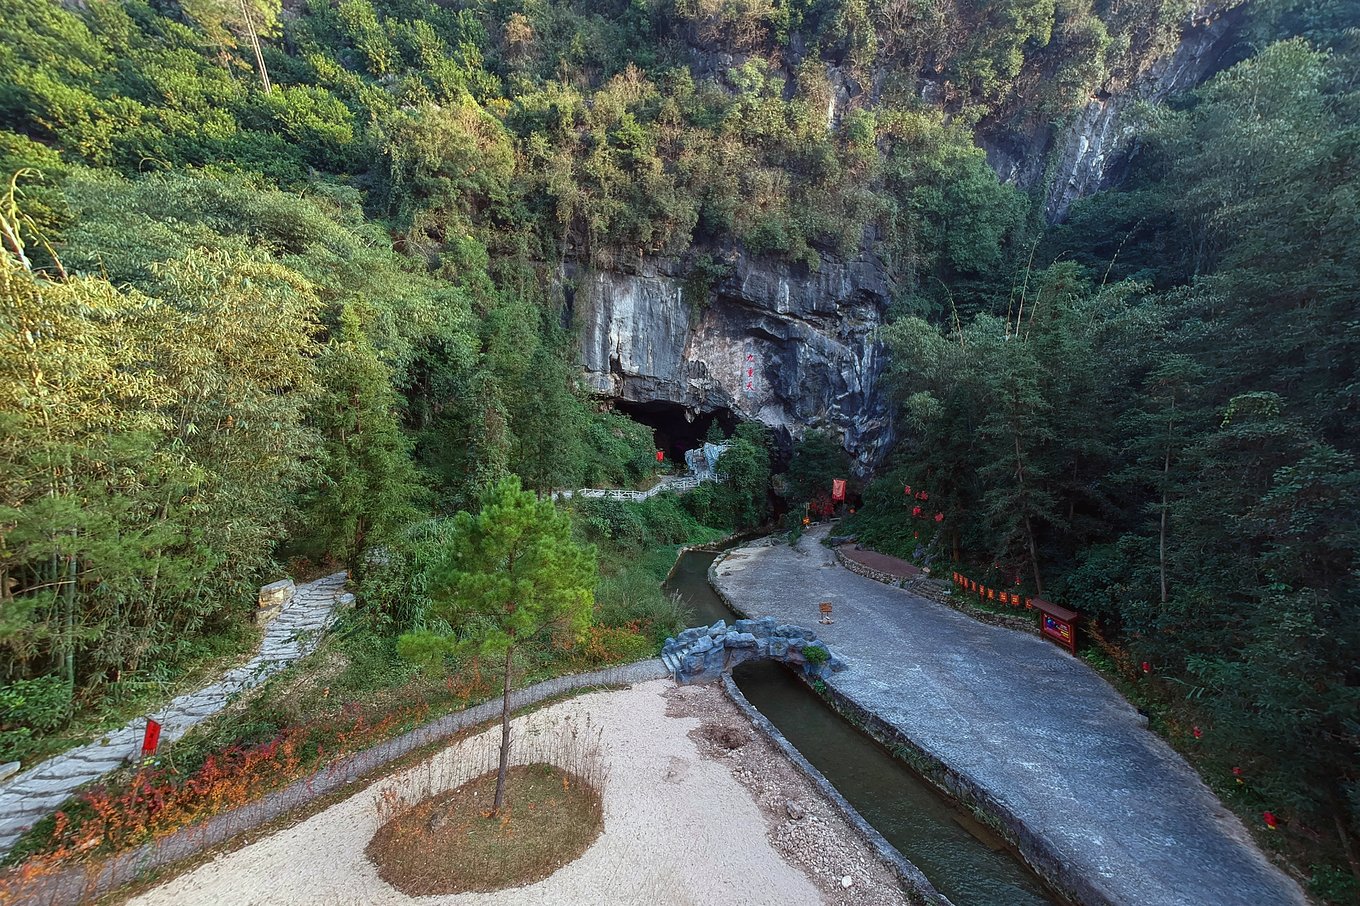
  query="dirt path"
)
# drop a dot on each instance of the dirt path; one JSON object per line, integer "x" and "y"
{"x": 1124, "y": 819}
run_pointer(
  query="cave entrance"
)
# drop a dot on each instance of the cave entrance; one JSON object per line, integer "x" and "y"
{"x": 674, "y": 430}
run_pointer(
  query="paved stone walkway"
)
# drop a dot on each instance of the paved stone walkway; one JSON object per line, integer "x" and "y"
{"x": 296, "y": 631}
{"x": 1015, "y": 716}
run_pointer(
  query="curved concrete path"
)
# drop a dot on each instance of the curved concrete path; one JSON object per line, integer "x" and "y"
{"x": 295, "y": 632}
{"x": 1034, "y": 727}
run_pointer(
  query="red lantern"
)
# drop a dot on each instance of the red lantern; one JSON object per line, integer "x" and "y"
{"x": 1147, "y": 668}
{"x": 916, "y": 511}
{"x": 1237, "y": 773}
{"x": 1271, "y": 821}
{"x": 925, "y": 496}
{"x": 939, "y": 517}
{"x": 660, "y": 456}
{"x": 908, "y": 490}
{"x": 1197, "y": 731}
{"x": 916, "y": 534}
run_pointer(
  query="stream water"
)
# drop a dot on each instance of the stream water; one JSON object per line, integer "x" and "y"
{"x": 963, "y": 859}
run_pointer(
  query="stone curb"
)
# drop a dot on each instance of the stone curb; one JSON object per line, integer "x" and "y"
{"x": 712, "y": 547}
{"x": 868, "y": 572}
{"x": 915, "y": 586}
{"x": 1033, "y": 850}
{"x": 84, "y": 883}
{"x": 911, "y": 877}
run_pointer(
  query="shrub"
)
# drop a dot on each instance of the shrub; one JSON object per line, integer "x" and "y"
{"x": 395, "y": 587}
{"x": 615, "y": 645}
{"x": 27, "y": 705}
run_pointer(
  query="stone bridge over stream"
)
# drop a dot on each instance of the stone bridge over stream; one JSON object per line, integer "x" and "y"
{"x": 703, "y": 653}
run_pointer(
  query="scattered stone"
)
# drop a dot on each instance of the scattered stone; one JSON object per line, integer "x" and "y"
{"x": 9, "y": 769}
{"x": 438, "y": 819}
{"x": 825, "y": 848}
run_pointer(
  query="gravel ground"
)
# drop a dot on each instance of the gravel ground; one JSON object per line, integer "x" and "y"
{"x": 802, "y": 825}
{"x": 686, "y": 821}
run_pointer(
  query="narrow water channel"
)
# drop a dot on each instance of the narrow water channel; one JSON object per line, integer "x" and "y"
{"x": 963, "y": 859}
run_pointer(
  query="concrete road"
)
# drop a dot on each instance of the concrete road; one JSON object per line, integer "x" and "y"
{"x": 1113, "y": 810}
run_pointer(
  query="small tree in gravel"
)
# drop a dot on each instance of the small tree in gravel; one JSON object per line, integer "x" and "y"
{"x": 513, "y": 576}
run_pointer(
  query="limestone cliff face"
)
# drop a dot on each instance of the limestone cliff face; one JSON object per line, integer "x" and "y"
{"x": 809, "y": 339}
{"x": 790, "y": 348}
{"x": 1082, "y": 156}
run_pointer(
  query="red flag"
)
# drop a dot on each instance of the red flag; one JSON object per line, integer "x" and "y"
{"x": 838, "y": 489}
{"x": 151, "y": 737}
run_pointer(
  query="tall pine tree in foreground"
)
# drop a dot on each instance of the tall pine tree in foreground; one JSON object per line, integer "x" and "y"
{"x": 513, "y": 577}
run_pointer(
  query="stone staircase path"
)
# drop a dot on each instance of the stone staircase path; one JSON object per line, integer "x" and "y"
{"x": 28, "y": 797}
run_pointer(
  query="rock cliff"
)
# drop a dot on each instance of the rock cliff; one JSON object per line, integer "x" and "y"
{"x": 774, "y": 342}
{"x": 797, "y": 349}
{"x": 1083, "y": 154}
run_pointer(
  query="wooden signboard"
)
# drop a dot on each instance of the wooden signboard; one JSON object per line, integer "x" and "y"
{"x": 1058, "y": 623}
{"x": 825, "y": 608}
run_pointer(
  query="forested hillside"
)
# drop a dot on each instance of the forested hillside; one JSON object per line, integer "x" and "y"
{"x": 280, "y": 282}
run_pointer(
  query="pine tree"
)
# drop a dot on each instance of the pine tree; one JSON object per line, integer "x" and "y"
{"x": 513, "y": 577}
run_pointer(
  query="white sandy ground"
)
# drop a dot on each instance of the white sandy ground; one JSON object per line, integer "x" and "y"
{"x": 679, "y": 826}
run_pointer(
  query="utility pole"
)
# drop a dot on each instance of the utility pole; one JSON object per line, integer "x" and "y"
{"x": 255, "y": 43}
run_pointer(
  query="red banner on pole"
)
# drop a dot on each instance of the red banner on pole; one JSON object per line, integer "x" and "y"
{"x": 151, "y": 738}
{"x": 838, "y": 489}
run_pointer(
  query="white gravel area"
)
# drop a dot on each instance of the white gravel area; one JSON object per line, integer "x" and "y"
{"x": 681, "y": 825}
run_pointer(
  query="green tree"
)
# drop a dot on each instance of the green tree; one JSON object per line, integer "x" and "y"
{"x": 817, "y": 458}
{"x": 227, "y": 21}
{"x": 367, "y": 480}
{"x": 513, "y": 576}
{"x": 745, "y": 467}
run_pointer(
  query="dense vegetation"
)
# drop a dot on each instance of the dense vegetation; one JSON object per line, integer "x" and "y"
{"x": 1161, "y": 427}
{"x": 285, "y": 284}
